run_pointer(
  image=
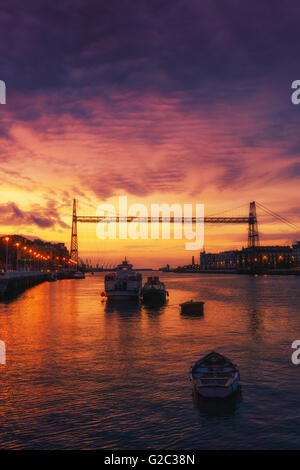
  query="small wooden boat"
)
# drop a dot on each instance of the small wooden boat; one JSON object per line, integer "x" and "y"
{"x": 79, "y": 275}
{"x": 52, "y": 277}
{"x": 154, "y": 290}
{"x": 192, "y": 308}
{"x": 215, "y": 376}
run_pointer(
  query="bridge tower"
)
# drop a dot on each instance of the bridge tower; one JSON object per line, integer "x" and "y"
{"x": 253, "y": 236}
{"x": 74, "y": 238}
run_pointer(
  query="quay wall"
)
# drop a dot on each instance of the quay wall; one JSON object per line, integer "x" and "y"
{"x": 12, "y": 283}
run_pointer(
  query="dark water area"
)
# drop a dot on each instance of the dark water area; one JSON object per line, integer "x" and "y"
{"x": 82, "y": 373}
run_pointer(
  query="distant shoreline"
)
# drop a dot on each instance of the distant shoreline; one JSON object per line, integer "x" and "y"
{"x": 280, "y": 272}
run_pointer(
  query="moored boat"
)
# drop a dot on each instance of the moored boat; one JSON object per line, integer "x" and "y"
{"x": 192, "y": 308}
{"x": 215, "y": 376}
{"x": 124, "y": 283}
{"x": 79, "y": 275}
{"x": 154, "y": 290}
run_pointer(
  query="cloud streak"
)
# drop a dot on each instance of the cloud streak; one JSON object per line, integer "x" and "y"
{"x": 42, "y": 218}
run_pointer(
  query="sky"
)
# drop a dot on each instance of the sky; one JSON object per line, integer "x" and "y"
{"x": 162, "y": 101}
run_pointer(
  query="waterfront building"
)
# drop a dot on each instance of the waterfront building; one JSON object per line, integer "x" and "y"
{"x": 223, "y": 260}
{"x": 271, "y": 257}
{"x": 296, "y": 253}
{"x": 18, "y": 252}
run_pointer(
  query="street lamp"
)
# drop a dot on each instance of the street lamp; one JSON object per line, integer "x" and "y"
{"x": 30, "y": 259}
{"x": 24, "y": 259}
{"x": 6, "y": 239}
{"x": 17, "y": 262}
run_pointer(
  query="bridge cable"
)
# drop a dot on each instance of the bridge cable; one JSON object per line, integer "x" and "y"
{"x": 228, "y": 210}
{"x": 277, "y": 216}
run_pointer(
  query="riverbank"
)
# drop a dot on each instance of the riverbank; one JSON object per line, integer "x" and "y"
{"x": 14, "y": 282}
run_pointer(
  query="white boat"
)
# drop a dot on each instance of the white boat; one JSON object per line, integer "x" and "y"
{"x": 215, "y": 376}
{"x": 79, "y": 275}
{"x": 125, "y": 283}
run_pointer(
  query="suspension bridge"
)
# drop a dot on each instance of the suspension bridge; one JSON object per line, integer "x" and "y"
{"x": 251, "y": 220}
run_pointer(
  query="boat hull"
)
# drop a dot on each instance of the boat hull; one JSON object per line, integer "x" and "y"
{"x": 192, "y": 308}
{"x": 122, "y": 295}
{"x": 154, "y": 296}
{"x": 217, "y": 392}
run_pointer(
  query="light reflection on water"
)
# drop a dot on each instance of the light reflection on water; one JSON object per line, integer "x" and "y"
{"x": 83, "y": 373}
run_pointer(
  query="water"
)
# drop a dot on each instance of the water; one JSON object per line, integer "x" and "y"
{"x": 82, "y": 374}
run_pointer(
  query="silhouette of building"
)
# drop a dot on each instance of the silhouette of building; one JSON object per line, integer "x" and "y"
{"x": 296, "y": 254}
{"x": 23, "y": 253}
{"x": 271, "y": 257}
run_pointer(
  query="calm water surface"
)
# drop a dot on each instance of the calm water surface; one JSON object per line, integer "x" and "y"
{"x": 83, "y": 374}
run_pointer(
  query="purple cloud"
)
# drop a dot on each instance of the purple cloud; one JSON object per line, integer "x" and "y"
{"x": 12, "y": 215}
